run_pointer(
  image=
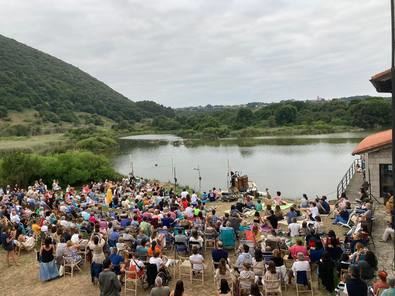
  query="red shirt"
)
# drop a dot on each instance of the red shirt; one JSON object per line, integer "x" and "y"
{"x": 295, "y": 249}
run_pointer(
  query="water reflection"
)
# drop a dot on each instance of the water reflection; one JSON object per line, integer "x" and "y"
{"x": 311, "y": 164}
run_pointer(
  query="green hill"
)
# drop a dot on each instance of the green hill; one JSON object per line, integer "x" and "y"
{"x": 33, "y": 80}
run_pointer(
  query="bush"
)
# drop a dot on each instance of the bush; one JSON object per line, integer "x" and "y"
{"x": 74, "y": 168}
{"x": 3, "y": 112}
{"x": 17, "y": 130}
{"x": 97, "y": 144}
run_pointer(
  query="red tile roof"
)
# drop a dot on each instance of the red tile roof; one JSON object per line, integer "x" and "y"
{"x": 373, "y": 142}
{"x": 382, "y": 75}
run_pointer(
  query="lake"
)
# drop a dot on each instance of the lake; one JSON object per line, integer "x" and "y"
{"x": 293, "y": 165}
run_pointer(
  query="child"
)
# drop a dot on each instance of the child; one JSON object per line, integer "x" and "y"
{"x": 258, "y": 206}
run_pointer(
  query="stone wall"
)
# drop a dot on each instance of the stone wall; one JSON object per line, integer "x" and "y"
{"x": 374, "y": 159}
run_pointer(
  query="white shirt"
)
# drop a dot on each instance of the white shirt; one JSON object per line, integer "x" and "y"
{"x": 156, "y": 260}
{"x": 184, "y": 194}
{"x": 75, "y": 238}
{"x": 194, "y": 198}
{"x": 189, "y": 212}
{"x": 199, "y": 240}
{"x": 294, "y": 229}
{"x": 197, "y": 261}
{"x": 314, "y": 212}
{"x": 300, "y": 266}
{"x": 15, "y": 218}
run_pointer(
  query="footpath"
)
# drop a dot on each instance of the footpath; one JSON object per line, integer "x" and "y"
{"x": 383, "y": 250}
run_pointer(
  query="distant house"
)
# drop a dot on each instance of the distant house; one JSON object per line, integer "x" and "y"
{"x": 376, "y": 150}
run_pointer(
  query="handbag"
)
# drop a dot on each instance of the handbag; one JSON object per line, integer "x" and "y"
{"x": 61, "y": 270}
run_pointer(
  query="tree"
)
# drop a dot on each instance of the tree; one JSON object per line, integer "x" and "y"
{"x": 371, "y": 113}
{"x": 285, "y": 114}
{"x": 245, "y": 117}
{"x": 19, "y": 168}
{"x": 3, "y": 112}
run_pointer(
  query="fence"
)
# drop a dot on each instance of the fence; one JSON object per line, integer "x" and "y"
{"x": 342, "y": 186}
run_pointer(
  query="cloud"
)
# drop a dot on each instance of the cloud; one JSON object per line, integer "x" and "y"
{"x": 195, "y": 52}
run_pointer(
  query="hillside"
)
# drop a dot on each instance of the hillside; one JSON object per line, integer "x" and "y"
{"x": 31, "y": 79}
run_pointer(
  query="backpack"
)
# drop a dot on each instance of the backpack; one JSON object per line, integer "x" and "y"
{"x": 152, "y": 272}
{"x": 165, "y": 275}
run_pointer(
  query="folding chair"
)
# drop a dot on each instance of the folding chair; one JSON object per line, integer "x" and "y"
{"x": 349, "y": 221}
{"x": 194, "y": 244}
{"x": 370, "y": 231}
{"x": 184, "y": 268}
{"x": 209, "y": 241}
{"x": 196, "y": 273}
{"x": 83, "y": 251}
{"x": 271, "y": 287}
{"x": 68, "y": 262}
{"x": 303, "y": 278}
{"x": 180, "y": 248}
{"x": 132, "y": 278}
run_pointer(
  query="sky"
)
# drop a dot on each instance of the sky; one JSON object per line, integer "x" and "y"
{"x": 220, "y": 52}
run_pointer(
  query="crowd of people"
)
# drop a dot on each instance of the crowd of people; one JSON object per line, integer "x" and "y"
{"x": 134, "y": 229}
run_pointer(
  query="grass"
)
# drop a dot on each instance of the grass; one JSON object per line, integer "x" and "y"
{"x": 33, "y": 143}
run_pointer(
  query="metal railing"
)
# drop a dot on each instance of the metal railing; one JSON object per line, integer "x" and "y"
{"x": 342, "y": 186}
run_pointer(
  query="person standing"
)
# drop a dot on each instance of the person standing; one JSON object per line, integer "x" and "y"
{"x": 96, "y": 246}
{"x": 48, "y": 269}
{"x": 355, "y": 286}
{"x": 108, "y": 282}
{"x": 8, "y": 238}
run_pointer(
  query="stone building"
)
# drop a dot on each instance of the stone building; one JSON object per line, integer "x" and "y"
{"x": 376, "y": 153}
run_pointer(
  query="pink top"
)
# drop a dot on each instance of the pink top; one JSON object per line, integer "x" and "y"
{"x": 295, "y": 249}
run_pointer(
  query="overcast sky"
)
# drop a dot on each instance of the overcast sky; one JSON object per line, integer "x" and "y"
{"x": 198, "y": 52}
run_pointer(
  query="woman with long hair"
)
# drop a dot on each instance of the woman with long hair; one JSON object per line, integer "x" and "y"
{"x": 222, "y": 272}
{"x": 255, "y": 290}
{"x": 258, "y": 265}
{"x": 9, "y": 246}
{"x": 48, "y": 268}
{"x": 368, "y": 266}
{"x": 224, "y": 289}
{"x": 326, "y": 268}
{"x": 179, "y": 289}
{"x": 271, "y": 275}
{"x": 154, "y": 248}
{"x": 96, "y": 244}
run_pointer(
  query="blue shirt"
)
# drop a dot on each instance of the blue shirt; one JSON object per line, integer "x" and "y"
{"x": 114, "y": 236}
{"x": 243, "y": 258}
{"x": 140, "y": 250}
{"x": 218, "y": 254}
{"x": 326, "y": 206}
{"x": 116, "y": 259}
{"x": 125, "y": 222}
{"x": 167, "y": 221}
{"x": 291, "y": 215}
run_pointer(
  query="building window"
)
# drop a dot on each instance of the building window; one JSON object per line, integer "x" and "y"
{"x": 385, "y": 179}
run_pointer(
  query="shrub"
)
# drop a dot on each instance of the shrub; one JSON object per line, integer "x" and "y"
{"x": 69, "y": 168}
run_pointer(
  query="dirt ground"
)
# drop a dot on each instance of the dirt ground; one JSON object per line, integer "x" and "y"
{"x": 23, "y": 280}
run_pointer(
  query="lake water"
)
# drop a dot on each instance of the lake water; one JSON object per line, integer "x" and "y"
{"x": 292, "y": 165}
